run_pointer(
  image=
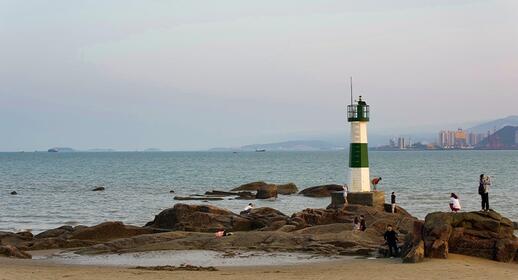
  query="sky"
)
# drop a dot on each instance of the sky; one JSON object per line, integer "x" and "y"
{"x": 191, "y": 75}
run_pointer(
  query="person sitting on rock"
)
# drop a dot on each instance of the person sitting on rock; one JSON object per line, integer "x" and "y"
{"x": 454, "y": 203}
{"x": 356, "y": 224}
{"x": 363, "y": 225}
{"x": 391, "y": 239}
{"x": 247, "y": 209}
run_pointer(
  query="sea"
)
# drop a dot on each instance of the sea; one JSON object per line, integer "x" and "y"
{"x": 54, "y": 189}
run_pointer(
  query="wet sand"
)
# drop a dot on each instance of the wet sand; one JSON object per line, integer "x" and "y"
{"x": 456, "y": 267}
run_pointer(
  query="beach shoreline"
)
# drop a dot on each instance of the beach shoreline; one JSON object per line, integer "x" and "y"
{"x": 456, "y": 266}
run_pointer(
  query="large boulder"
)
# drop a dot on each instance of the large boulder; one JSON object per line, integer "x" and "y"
{"x": 266, "y": 191}
{"x": 289, "y": 188}
{"x": 108, "y": 231}
{"x": 480, "y": 234}
{"x": 254, "y": 186}
{"x": 199, "y": 218}
{"x": 321, "y": 191}
{"x": 266, "y": 218}
{"x": 415, "y": 254}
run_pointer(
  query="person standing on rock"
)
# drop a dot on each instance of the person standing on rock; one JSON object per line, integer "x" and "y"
{"x": 454, "y": 203}
{"x": 391, "y": 239}
{"x": 483, "y": 190}
{"x": 393, "y": 202}
{"x": 247, "y": 209}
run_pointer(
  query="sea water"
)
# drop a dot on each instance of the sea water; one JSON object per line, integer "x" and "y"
{"x": 54, "y": 189}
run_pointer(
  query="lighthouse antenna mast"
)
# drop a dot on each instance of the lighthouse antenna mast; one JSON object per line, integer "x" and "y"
{"x": 351, "y": 83}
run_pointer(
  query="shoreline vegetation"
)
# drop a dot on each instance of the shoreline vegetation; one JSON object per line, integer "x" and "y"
{"x": 319, "y": 232}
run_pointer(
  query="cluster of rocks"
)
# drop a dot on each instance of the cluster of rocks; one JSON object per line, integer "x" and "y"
{"x": 481, "y": 234}
{"x": 263, "y": 190}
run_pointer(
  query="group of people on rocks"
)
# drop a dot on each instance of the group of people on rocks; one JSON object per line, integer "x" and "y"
{"x": 483, "y": 191}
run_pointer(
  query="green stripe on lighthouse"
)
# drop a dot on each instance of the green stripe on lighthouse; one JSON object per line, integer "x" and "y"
{"x": 358, "y": 155}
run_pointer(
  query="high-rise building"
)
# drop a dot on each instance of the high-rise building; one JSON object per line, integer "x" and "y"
{"x": 401, "y": 143}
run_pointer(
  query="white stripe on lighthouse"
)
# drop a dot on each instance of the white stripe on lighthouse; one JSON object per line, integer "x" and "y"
{"x": 358, "y": 132}
{"x": 360, "y": 180}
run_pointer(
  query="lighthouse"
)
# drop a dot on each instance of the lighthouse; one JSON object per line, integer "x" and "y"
{"x": 358, "y": 116}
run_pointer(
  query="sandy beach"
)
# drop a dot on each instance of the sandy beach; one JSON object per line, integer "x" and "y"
{"x": 456, "y": 267}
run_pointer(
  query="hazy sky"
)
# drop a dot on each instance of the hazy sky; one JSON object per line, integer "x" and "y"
{"x": 198, "y": 74}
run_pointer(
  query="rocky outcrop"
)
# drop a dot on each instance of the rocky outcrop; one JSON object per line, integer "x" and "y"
{"x": 108, "y": 231}
{"x": 321, "y": 191}
{"x": 98, "y": 189}
{"x": 480, "y": 234}
{"x": 287, "y": 189}
{"x": 254, "y": 186}
{"x": 199, "y": 218}
{"x": 266, "y": 191}
{"x": 267, "y": 219}
{"x": 14, "y": 193}
{"x": 202, "y": 198}
{"x": 13, "y": 252}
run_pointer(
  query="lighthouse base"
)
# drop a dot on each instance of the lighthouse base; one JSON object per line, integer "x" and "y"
{"x": 374, "y": 199}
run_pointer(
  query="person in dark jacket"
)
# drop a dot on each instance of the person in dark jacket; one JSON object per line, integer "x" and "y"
{"x": 393, "y": 202}
{"x": 391, "y": 239}
{"x": 363, "y": 225}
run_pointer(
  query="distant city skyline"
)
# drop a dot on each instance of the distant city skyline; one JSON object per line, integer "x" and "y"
{"x": 192, "y": 75}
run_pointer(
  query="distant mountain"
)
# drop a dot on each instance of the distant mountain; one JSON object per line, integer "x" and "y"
{"x": 61, "y": 150}
{"x": 152, "y": 150}
{"x": 101, "y": 150}
{"x": 505, "y": 138}
{"x": 296, "y": 145}
{"x": 495, "y": 125}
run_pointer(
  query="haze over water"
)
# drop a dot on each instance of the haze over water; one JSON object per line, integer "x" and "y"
{"x": 55, "y": 188}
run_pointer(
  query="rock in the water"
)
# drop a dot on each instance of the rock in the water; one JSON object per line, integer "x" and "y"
{"x": 480, "y": 234}
{"x": 254, "y": 186}
{"x": 322, "y": 191}
{"x": 199, "y": 218}
{"x": 98, "y": 189}
{"x": 266, "y": 191}
{"x": 289, "y": 188}
{"x": 171, "y": 191}
{"x": 14, "y": 193}
{"x": 203, "y": 198}
{"x": 12, "y": 251}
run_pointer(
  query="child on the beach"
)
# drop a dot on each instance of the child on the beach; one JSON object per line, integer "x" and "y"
{"x": 356, "y": 224}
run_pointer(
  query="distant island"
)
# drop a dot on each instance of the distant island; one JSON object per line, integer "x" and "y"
{"x": 296, "y": 145}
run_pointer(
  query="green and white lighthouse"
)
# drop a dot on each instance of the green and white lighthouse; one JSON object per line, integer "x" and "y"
{"x": 358, "y": 116}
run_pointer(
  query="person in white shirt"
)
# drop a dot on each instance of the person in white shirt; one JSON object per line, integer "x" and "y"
{"x": 454, "y": 203}
{"x": 248, "y": 208}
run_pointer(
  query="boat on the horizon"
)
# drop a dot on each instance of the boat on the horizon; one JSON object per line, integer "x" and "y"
{"x": 52, "y": 150}
{"x": 260, "y": 150}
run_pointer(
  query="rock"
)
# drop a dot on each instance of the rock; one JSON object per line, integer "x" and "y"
{"x": 266, "y": 191}
{"x": 12, "y": 251}
{"x": 55, "y": 232}
{"x": 266, "y": 218}
{"x": 245, "y": 195}
{"x": 515, "y": 225}
{"x": 480, "y": 234}
{"x": 204, "y": 198}
{"x": 416, "y": 253}
{"x": 286, "y": 189}
{"x": 98, "y": 189}
{"x": 199, "y": 218}
{"x": 14, "y": 193}
{"x": 254, "y": 186}
{"x": 171, "y": 191}
{"x": 108, "y": 231}
{"x": 321, "y": 191}
{"x": 221, "y": 193}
